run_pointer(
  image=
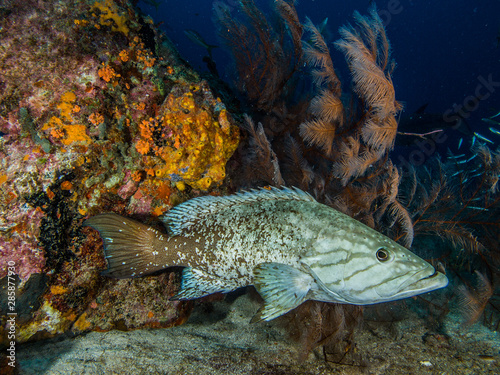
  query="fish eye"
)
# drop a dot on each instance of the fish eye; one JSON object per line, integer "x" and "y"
{"x": 382, "y": 254}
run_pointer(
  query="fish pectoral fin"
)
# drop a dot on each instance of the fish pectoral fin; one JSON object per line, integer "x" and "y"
{"x": 282, "y": 287}
{"x": 197, "y": 283}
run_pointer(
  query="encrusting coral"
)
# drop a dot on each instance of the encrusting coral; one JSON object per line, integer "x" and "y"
{"x": 188, "y": 141}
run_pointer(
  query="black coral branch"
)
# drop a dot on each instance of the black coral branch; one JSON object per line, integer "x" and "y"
{"x": 302, "y": 173}
{"x": 473, "y": 301}
{"x": 367, "y": 53}
{"x": 328, "y": 107}
{"x": 357, "y": 138}
{"x": 320, "y": 133}
{"x": 260, "y": 49}
{"x": 318, "y": 55}
{"x": 263, "y": 159}
{"x": 371, "y": 82}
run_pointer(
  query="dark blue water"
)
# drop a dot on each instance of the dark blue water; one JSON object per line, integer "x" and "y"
{"x": 447, "y": 52}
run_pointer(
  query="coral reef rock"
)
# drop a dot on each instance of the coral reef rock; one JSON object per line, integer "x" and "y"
{"x": 97, "y": 113}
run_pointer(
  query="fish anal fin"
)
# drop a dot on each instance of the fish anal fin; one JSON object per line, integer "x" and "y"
{"x": 197, "y": 283}
{"x": 282, "y": 287}
{"x": 131, "y": 248}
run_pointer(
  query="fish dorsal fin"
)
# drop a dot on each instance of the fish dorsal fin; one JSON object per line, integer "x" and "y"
{"x": 282, "y": 287}
{"x": 183, "y": 216}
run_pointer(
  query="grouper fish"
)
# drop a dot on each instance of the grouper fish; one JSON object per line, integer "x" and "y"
{"x": 285, "y": 243}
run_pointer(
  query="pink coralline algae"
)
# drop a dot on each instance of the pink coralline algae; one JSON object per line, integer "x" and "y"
{"x": 127, "y": 190}
{"x": 18, "y": 244}
{"x": 28, "y": 255}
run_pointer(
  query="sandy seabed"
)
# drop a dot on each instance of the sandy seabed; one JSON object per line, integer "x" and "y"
{"x": 222, "y": 341}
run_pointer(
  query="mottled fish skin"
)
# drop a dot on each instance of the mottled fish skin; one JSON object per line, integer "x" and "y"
{"x": 283, "y": 241}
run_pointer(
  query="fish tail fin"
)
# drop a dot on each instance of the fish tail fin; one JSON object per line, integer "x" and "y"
{"x": 130, "y": 247}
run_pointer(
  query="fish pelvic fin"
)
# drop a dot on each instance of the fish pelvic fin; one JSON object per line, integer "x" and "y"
{"x": 196, "y": 283}
{"x": 282, "y": 287}
{"x": 130, "y": 247}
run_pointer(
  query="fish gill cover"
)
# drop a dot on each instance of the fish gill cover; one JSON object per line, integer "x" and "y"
{"x": 94, "y": 117}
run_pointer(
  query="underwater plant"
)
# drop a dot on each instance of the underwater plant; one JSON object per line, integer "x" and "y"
{"x": 266, "y": 54}
{"x": 337, "y": 149}
{"x": 458, "y": 201}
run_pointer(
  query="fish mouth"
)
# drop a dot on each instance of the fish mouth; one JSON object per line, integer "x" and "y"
{"x": 422, "y": 281}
